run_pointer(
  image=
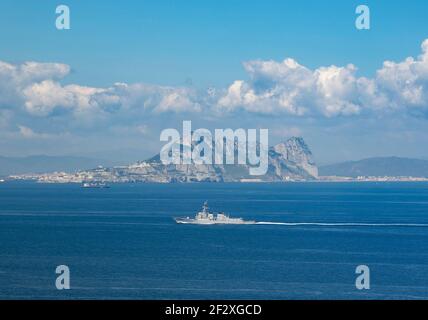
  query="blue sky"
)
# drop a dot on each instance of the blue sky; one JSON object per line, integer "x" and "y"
{"x": 200, "y": 44}
{"x": 170, "y": 42}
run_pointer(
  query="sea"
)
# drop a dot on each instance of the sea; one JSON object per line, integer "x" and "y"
{"x": 123, "y": 243}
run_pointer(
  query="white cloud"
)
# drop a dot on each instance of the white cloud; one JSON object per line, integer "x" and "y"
{"x": 15, "y": 78}
{"x": 288, "y": 87}
{"x": 405, "y": 84}
{"x": 43, "y": 97}
{"x": 30, "y": 72}
{"x": 284, "y": 87}
{"x": 36, "y": 87}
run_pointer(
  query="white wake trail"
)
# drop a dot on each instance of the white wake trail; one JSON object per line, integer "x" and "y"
{"x": 340, "y": 224}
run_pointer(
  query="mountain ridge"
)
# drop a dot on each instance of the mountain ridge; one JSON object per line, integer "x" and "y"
{"x": 290, "y": 160}
{"x": 378, "y": 166}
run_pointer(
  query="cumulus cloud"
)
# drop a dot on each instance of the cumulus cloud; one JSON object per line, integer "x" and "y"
{"x": 43, "y": 97}
{"x": 36, "y": 87}
{"x": 151, "y": 98}
{"x": 288, "y": 87}
{"x": 29, "y": 72}
{"x": 404, "y": 84}
{"x": 284, "y": 87}
{"x": 15, "y": 78}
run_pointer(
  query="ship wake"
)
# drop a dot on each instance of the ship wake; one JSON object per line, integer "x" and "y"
{"x": 342, "y": 224}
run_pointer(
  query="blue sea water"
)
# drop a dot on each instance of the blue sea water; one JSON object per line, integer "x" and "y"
{"x": 122, "y": 243}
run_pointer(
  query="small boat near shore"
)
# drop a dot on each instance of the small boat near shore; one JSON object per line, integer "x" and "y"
{"x": 96, "y": 185}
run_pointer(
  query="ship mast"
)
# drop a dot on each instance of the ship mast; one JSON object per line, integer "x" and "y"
{"x": 205, "y": 207}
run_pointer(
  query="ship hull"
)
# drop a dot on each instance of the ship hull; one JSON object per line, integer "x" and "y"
{"x": 209, "y": 222}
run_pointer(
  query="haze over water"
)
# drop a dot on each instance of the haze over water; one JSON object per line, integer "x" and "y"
{"x": 123, "y": 243}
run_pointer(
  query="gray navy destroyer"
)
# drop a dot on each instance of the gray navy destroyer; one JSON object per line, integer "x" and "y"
{"x": 206, "y": 217}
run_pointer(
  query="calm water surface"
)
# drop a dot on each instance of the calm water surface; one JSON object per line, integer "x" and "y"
{"x": 123, "y": 243}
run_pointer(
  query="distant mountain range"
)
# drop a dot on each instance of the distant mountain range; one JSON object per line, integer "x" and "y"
{"x": 42, "y": 163}
{"x": 381, "y": 166}
{"x": 290, "y": 160}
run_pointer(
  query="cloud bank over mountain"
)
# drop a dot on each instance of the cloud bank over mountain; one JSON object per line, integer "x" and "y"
{"x": 284, "y": 87}
{"x": 287, "y": 86}
{"x": 38, "y": 102}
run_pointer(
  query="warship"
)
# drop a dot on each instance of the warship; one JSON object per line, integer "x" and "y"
{"x": 206, "y": 217}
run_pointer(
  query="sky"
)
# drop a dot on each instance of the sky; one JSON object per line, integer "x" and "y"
{"x": 126, "y": 70}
